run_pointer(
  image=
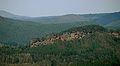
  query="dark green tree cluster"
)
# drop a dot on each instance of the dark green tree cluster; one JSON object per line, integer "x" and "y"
{"x": 87, "y": 28}
{"x": 98, "y": 48}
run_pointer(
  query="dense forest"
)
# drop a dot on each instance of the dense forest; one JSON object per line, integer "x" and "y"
{"x": 99, "y": 47}
{"x": 14, "y": 27}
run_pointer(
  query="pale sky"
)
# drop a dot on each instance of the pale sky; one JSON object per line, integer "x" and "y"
{"x": 37, "y": 8}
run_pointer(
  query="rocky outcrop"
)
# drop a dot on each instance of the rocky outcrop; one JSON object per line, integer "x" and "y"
{"x": 51, "y": 39}
{"x": 115, "y": 34}
{"x": 65, "y": 36}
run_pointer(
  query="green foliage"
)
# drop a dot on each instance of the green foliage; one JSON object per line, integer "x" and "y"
{"x": 87, "y": 28}
{"x": 97, "y": 48}
{"x": 21, "y": 32}
{"x": 114, "y": 25}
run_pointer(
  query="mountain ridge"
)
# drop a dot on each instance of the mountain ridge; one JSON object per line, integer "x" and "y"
{"x": 101, "y": 18}
{"x": 13, "y": 29}
{"x": 11, "y": 15}
{"x": 76, "y": 33}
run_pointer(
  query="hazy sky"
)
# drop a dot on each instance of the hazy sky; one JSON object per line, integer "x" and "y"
{"x": 58, "y": 7}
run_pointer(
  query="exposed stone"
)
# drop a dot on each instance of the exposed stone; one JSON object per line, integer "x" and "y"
{"x": 51, "y": 39}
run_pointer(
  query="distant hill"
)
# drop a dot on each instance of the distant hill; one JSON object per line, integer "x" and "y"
{"x": 14, "y": 27}
{"x": 13, "y": 16}
{"x": 114, "y": 25}
{"x": 101, "y": 18}
{"x": 70, "y": 18}
{"x": 17, "y": 31}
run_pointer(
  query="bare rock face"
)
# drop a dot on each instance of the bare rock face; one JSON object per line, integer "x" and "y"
{"x": 34, "y": 40}
{"x": 115, "y": 34}
{"x": 64, "y": 37}
{"x": 52, "y": 39}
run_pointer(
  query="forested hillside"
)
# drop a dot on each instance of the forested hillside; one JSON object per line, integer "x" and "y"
{"x": 14, "y": 27}
{"x": 98, "y": 46}
{"x": 20, "y": 32}
{"x": 59, "y": 32}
